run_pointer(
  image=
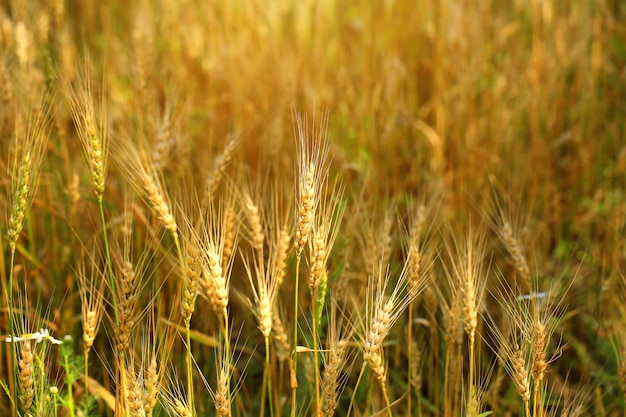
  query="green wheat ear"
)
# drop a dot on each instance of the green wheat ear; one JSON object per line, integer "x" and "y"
{"x": 321, "y": 297}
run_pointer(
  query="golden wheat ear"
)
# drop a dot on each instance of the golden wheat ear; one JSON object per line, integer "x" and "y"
{"x": 311, "y": 168}
{"x": 173, "y": 396}
{"x": 338, "y": 359}
{"x": 222, "y": 162}
{"x": 31, "y": 136}
{"x": 88, "y": 114}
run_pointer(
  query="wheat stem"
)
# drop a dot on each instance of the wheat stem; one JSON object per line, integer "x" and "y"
{"x": 86, "y": 361}
{"x": 472, "y": 337}
{"x": 268, "y": 370}
{"x": 70, "y": 396}
{"x": 13, "y": 348}
{"x": 294, "y": 384}
{"x": 386, "y": 396}
{"x": 356, "y": 387}
{"x": 224, "y": 330}
{"x": 318, "y": 398}
{"x": 446, "y": 382}
{"x": 189, "y": 367}
{"x": 107, "y": 252}
{"x": 409, "y": 349}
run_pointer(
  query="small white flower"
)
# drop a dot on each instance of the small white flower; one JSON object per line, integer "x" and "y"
{"x": 532, "y": 295}
{"x": 41, "y": 335}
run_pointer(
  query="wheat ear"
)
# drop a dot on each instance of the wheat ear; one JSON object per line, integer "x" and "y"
{"x": 221, "y": 165}
{"x": 25, "y": 377}
{"x": 310, "y": 178}
{"x": 92, "y": 304}
{"x": 382, "y": 310}
{"x": 337, "y": 361}
{"x": 513, "y": 246}
{"x": 30, "y": 142}
{"x": 151, "y": 386}
{"x": 91, "y": 128}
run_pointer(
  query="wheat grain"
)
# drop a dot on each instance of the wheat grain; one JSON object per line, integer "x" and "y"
{"x": 331, "y": 377}
{"x": 29, "y": 145}
{"x": 191, "y": 280}
{"x": 264, "y": 289}
{"x": 337, "y": 361}
{"x": 539, "y": 347}
{"x": 221, "y": 396}
{"x": 134, "y": 397}
{"x": 92, "y": 300}
{"x": 280, "y": 337}
{"x": 311, "y": 175}
{"x": 151, "y": 386}
{"x": 163, "y": 143}
{"x": 155, "y": 196}
{"x": 520, "y": 373}
{"x": 26, "y": 375}
{"x": 513, "y": 246}
{"x": 214, "y": 282}
{"x": 127, "y": 303}
{"x": 382, "y": 311}
{"x": 221, "y": 165}
{"x": 90, "y": 128}
{"x": 257, "y": 236}
{"x": 230, "y": 233}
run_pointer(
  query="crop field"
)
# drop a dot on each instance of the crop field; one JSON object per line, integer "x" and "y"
{"x": 313, "y": 208}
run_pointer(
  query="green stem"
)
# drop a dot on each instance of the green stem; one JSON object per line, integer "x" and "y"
{"x": 12, "y": 329}
{"x": 107, "y": 252}
{"x": 179, "y": 251}
{"x": 419, "y": 404}
{"x": 536, "y": 399}
{"x": 318, "y": 402}
{"x": 471, "y": 363}
{"x": 356, "y": 387}
{"x": 446, "y": 389}
{"x": 388, "y": 404}
{"x": 189, "y": 369}
{"x": 121, "y": 371}
{"x": 269, "y": 374}
{"x": 294, "y": 386}
{"x": 227, "y": 347}
{"x": 70, "y": 396}
{"x": 263, "y": 392}
{"x": 86, "y": 354}
{"x": 54, "y": 405}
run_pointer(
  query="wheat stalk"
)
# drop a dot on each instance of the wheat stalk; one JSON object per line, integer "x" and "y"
{"x": 310, "y": 179}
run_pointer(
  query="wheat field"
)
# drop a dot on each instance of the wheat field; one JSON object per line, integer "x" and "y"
{"x": 313, "y": 208}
